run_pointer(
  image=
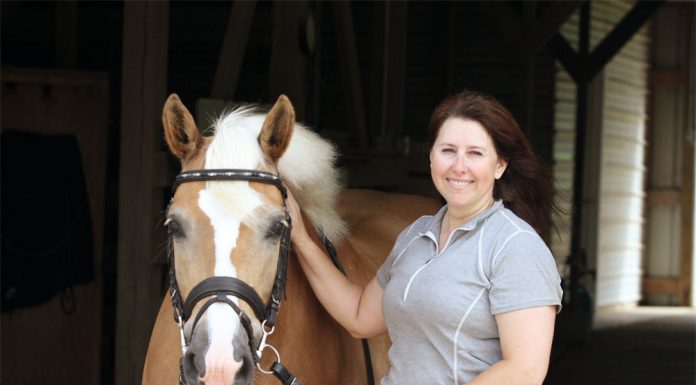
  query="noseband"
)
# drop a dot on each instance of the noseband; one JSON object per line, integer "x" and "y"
{"x": 217, "y": 289}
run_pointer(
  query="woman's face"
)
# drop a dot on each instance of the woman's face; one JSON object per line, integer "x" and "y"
{"x": 464, "y": 165}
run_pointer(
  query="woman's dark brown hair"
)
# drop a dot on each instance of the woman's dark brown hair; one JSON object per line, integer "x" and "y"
{"x": 526, "y": 186}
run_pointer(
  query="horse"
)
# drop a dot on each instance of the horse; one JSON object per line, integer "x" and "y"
{"x": 235, "y": 230}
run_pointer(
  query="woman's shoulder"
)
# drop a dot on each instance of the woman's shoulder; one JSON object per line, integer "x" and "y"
{"x": 506, "y": 229}
{"x": 506, "y": 219}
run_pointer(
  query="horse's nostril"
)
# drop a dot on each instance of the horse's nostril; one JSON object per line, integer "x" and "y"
{"x": 245, "y": 375}
{"x": 192, "y": 373}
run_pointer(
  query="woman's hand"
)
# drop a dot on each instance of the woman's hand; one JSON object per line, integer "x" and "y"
{"x": 299, "y": 231}
{"x": 356, "y": 309}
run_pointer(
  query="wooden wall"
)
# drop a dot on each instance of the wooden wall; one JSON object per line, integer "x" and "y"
{"x": 669, "y": 204}
{"x": 42, "y": 345}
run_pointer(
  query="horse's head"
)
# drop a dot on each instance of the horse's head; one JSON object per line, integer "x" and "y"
{"x": 232, "y": 228}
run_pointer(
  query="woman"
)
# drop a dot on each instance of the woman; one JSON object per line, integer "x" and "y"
{"x": 470, "y": 294}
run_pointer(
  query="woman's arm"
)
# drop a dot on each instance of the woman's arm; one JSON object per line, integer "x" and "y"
{"x": 357, "y": 309}
{"x": 525, "y": 338}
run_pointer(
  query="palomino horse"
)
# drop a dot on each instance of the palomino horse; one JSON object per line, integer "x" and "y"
{"x": 232, "y": 230}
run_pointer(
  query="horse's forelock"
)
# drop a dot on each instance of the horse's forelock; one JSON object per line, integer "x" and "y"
{"x": 234, "y": 146}
{"x": 307, "y": 167}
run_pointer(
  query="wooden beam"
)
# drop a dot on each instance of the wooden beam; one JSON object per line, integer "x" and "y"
{"x": 531, "y": 34}
{"x": 585, "y": 68}
{"x": 143, "y": 85}
{"x": 526, "y": 37}
{"x": 687, "y": 225}
{"x": 545, "y": 27}
{"x": 233, "y": 49}
{"x": 660, "y": 285}
{"x": 394, "y": 68}
{"x": 527, "y": 79}
{"x": 507, "y": 23}
{"x": 348, "y": 57}
{"x": 662, "y": 77}
{"x": 288, "y": 69}
{"x": 578, "y": 255}
{"x": 566, "y": 55}
{"x": 66, "y": 34}
{"x": 620, "y": 34}
{"x": 663, "y": 196}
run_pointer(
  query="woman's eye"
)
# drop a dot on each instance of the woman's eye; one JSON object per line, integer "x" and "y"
{"x": 173, "y": 228}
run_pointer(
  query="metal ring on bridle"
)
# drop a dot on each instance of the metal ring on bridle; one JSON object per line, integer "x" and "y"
{"x": 258, "y": 364}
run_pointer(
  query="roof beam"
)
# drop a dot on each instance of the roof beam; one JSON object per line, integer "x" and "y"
{"x": 232, "y": 51}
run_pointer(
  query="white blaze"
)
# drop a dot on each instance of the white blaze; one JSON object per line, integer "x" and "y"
{"x": 223, "y": 323}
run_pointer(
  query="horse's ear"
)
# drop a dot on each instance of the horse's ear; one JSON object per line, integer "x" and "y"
{"x": 277, "y": 128}
{"x": 180, "y": 131}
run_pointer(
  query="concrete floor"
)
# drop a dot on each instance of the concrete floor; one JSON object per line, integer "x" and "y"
{"x": 643, "y": 345}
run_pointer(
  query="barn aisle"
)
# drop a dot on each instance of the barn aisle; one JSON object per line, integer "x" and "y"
{"x": 645, "y": 345}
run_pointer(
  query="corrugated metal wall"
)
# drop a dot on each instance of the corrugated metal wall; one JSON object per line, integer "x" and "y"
{"x": 622, "y": 168}
{"x": 621, "y": 89}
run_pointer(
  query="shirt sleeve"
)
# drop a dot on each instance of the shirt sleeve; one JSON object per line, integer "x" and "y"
{"x": 524, "y": 275}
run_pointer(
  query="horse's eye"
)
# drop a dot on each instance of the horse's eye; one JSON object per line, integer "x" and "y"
{"x": 173, "y": 228}
{"x": 275, "y": 230}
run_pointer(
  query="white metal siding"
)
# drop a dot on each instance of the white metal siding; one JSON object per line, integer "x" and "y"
{"x": 623, "y": 151}
{"x": 622, "y": 118}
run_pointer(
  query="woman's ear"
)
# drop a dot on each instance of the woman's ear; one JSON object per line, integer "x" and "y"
{"x": 500, "y": 168}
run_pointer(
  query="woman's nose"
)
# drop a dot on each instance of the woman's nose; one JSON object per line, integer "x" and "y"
{"x": 460, "y": 163}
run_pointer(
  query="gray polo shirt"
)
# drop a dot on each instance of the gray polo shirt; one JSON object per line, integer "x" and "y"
{"x": 439, "y": 308}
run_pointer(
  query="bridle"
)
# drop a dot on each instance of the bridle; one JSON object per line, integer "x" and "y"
{"x": 216, "y": 289}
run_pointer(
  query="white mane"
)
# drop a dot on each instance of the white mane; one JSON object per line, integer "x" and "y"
{"x": 307, "y": 167}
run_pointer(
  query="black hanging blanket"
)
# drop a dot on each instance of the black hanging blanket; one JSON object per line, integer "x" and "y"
{"x": 46, "y": 228}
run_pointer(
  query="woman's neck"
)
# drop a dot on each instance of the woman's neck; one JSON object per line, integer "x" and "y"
{"x": 456, "y": 216}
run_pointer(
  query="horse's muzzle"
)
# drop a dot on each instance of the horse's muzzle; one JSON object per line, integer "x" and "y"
{"x": 217, "y": 363}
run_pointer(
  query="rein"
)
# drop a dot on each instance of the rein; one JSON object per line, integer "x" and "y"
{"x": 216, "y": 289}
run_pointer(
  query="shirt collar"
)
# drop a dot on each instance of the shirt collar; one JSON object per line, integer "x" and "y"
{"x": 433, "y": 227}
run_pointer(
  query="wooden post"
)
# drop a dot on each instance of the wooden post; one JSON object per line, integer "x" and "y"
{"x": 394, "y": 68}
{"x": 348, "y": 57}
{"x": 687, "y": 224}
{"x": 139, "y": 285}
{"x": 233, "y": 48}
{"x": 529, "y": 64}
{"x": 66, "y": 34}
{"x": 288, "y": 70}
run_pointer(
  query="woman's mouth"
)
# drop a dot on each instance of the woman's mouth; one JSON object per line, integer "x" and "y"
{"x": 459, "y": 182}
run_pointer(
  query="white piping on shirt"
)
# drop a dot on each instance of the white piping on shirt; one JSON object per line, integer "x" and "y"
{"x": 473, "y": 303}
{"x": 459, "y": 328}
{"x": 408, "y": 286}
{"x": 519, "y": 231}
{"x": 439, "y": 251}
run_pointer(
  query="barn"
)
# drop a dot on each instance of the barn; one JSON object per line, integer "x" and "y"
{"x": 604, "y": 90}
